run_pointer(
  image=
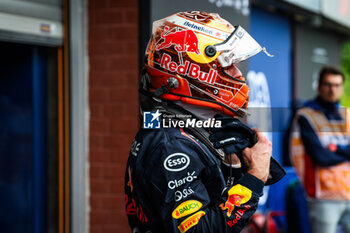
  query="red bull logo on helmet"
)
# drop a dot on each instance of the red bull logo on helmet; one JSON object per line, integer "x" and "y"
{"x": 183, "y": 41}
{"x": 237, "y": 195}
{"x": 188, "y": 69}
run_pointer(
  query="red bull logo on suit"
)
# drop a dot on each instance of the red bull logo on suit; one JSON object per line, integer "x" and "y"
{"x": 237, "y": 195}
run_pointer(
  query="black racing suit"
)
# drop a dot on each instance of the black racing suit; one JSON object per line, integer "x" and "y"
{"x": 173, "y": 183}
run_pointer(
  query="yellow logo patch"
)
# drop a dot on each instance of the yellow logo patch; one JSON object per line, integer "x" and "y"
{"x": 186, "y": 208}
{"x": 190, "y": 221}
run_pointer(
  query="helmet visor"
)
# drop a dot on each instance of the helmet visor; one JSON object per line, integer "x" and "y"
{"x": 237, "y": 47}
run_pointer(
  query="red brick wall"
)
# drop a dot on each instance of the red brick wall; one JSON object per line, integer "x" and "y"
{"x": 113, "y": 98}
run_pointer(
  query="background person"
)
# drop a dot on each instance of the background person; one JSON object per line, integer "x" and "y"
{"x": 321, "y": 154}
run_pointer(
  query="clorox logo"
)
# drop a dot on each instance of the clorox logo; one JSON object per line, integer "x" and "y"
{"x": 186, "y": 208}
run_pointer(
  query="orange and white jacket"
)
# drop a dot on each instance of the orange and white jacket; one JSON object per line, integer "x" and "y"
{"x": 324, "y": 172}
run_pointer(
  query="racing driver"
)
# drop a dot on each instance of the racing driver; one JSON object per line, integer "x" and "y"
{"x": 183, "y": 175}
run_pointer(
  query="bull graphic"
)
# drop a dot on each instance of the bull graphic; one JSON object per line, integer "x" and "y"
{"x": 232, "y": 201}
{"x": 185, "y": 40}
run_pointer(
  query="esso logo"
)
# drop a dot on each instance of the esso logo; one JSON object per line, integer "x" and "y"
{"x": 176, "y": 162}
